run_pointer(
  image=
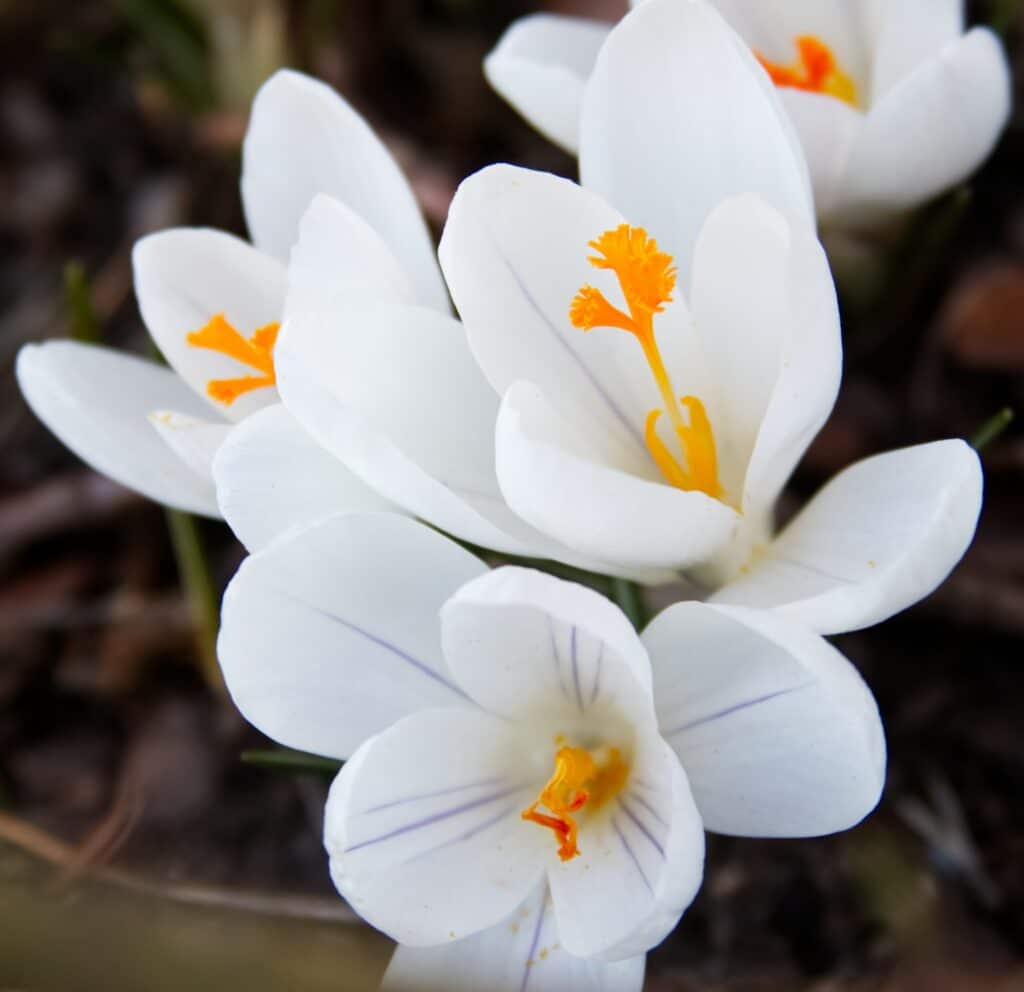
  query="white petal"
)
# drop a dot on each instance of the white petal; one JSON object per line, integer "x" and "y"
{"x": 186, "y": 276}
{"x": 423, "y": 827}
{"x": 521, "y": 952}
{"x": 827, "y": 128}
{"x": 930, "y": 131}
{"x": 194, "y": 441}
{"x": 272, "y": 477}
{"x": 394, "y": 393}
{"x": 330, "y": 635}
{"x": 774, "y": 350}
{"x": 558, "y": 480}
{"x": 515, "y": 253}
{"x": 520, "y": 641}
{"x": 777, "y": 732}
{"x": 638, "y": 869}
{"x": 304, "y": 139}
{"x": 339, "y": 257}
{"x": 654, "y": 138}
{"x": 879, "y": 537}
{"x": 910, "y": 33}
{"x": 541, "y": 65}
{"x": 97, "y": 401}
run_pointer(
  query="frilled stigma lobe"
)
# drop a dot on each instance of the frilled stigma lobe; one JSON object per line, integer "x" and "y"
{"x": 257, "y": 352}
{"x": 647, "y": 277}
{"x": 579, "y": 779}
{"x": 815, "y": 71}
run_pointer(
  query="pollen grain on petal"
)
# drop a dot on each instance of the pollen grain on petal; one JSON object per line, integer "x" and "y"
{"x": 816, "y": 70}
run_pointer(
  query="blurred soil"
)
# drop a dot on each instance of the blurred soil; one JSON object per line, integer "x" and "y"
{"x": 130, "y": 832}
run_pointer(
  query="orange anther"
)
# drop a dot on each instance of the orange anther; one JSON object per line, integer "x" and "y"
{"x": 565, "y": 794}
{"x": 815, "y": 71}
{"x": 257, "y": 352}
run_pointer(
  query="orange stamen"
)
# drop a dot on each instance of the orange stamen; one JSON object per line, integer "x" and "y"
{"x": 647, "y": 277}
{"x": 578, "y": 780}
{"x": 257, "y": 352}
{"x": 815, "y": 71}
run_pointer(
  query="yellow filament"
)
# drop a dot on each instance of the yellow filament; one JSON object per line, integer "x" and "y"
{"x": 815, "y": 71}
{"x": 577, "y": 781}
{"x": 257, "y": 352}
{"x": 647, "y": 277}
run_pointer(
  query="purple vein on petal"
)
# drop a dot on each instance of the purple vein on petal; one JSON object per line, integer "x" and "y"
{"x": 632, "y": 855}
{"x": 422, "y": 667}
{"x": 432, "y": 795}
{"x": 435, "y": 818}
{"x": 535, "y": 940}
{"x": 468, "y": 835}
{"x": 560, "y": 339}
{"x": 642, "y": 827}
{"x": 736, "y": 708}
{"x": 556, "y": 656}
{"x": 648, "y": 806}
{"x": 598, "y": 665}
{"x": 574, "y": 654}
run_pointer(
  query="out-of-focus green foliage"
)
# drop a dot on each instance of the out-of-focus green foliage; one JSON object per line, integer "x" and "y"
{"x": 177, "y": 36}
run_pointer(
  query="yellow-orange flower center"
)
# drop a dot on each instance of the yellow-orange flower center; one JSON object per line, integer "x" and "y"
{"x": 257, "y": 352}
{"x": 815, "y": 71}
{"x": 647, "y": 277}
{"x": 579, "y": 779}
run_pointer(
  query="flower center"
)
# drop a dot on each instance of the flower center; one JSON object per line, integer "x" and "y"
{"x": 579, "y": 779}
{"x": 815, "y": 71}
{"x": 647, "y": 278}
{"x": 256, "y": 352}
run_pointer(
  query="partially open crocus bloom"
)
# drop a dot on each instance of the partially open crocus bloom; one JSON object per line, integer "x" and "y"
{"x": 663, "y": 351}
{"x": 654, "y": 425}
{"x": 394, "y": 390}
{"x": 213, "y": 305}
{"x": 893, "y": 101}
{"x": 527, "y": 782}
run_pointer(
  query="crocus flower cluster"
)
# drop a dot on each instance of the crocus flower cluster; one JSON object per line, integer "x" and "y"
{"x": 634, "y": 366}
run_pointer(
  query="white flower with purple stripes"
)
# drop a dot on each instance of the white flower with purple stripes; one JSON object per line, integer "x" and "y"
{"x": 527, "y": 779}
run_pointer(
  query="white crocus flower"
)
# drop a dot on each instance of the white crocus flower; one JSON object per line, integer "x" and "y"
{"x": 213, "y": 303}
{"x": 527, "y": 782}
{"x": 394, "y": 391}
{"x": 894, "y": 103}
{"x": 660, "y": 383}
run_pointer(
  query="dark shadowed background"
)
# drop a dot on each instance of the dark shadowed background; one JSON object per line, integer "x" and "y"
{"x": 137, "y": 850}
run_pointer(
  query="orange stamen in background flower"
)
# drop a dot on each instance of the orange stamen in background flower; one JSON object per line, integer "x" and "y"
{"x": 815, "y": 71}
{"x": 647, "y": 277}
{"x": 256, "y": 352}
{"x": 578, "y": 780}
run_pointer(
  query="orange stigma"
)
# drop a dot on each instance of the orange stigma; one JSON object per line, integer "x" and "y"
{"x": 257, "y": 352}
{"x": 815, "y": 71}
{"x": 647, "y": 277}
{"x": 578, "y": 780}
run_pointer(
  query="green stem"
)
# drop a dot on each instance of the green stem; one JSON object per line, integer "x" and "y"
{"x": 85, "y": 324}
{"x": 991, "y": 429}
{"x": 627, "y": 594}
{"x": 1005, "y": 15}
{"x": 291, "y": 761}
{"x": 198, "y": 586}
